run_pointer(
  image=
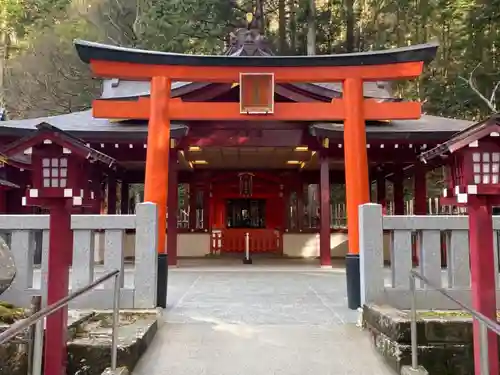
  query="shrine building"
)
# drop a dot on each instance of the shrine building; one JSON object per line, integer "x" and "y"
{"x": 258, "y": 152}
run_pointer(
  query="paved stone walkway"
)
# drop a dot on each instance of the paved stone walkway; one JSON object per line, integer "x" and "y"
{"x": 259, "y": 320}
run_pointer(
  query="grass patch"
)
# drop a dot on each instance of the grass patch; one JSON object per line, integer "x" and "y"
{"x": 443, "y": 314}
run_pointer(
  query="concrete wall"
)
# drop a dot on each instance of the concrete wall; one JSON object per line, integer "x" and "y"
{"x": 306, "y": 245}
{"x": 188, "y": 245}
{"x": 303, "y": 245}
{"x": 297, "y": 245}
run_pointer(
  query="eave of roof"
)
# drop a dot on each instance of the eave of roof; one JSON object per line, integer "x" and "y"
{"x": 463, "y": 138}
{"x": 64, "y": 139}
{"x": 427, "y": 127}
{"x": 88, "y": 51}
{"x": 8, "y": 184}
{"x": 83, "y": 124}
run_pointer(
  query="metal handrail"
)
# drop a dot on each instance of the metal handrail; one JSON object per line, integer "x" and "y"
{"x": 23, "y": 324}
{"x": 485, "y": 323}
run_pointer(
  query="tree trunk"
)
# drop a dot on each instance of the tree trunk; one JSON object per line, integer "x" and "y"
{"x": 260, "y": 16}
{"x": 3, "y": 58}
{"x": 311, "y": 28}
{"x": 293, "y": 27}
{"x": 282, "y": 27}
{"x": 350, "y": 22}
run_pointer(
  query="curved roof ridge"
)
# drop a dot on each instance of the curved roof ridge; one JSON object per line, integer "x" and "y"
{"x": 88, "y": 51}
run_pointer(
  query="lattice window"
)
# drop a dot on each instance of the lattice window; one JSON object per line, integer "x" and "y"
{"x": 486, "y": 166}
{"x": 55, "y": 172}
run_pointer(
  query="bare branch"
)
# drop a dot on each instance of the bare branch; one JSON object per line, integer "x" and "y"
{"x": 472, "y": 83}
{"x": 494, "y": 92}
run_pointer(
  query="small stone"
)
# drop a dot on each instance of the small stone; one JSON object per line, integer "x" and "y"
{"x": 9, "y": 314}
{"x": 118, "y": 371}
{"x": 408, "y": 370}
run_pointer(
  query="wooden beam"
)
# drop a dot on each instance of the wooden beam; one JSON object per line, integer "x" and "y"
{"x": 198, "y": 111}
{"x": 249, "y": 138}
{"x": 231, "y": 74}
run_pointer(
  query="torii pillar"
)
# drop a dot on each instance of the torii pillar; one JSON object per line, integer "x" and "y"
{"x": 356, "y": 180}
{"x": 156, "y": 180}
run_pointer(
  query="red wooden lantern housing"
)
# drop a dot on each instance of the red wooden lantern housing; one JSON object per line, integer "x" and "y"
{"x": 473, "y": 170}
{"x": 473, "y": 162}
{"x": 62, "y": 166}
{"x": 62, "y": 169}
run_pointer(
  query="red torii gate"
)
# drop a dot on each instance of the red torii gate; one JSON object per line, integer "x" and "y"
{"x": 351, "y": 69}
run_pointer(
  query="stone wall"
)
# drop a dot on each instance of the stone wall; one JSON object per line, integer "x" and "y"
{"x": 13, "y": 357}
{"x": 444, "y": 339}
{"x": 89, "y": 344}
{"x": 429, "y": 234}
{"x": 141, "y": 293}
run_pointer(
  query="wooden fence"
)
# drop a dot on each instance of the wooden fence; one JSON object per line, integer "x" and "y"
{"x": 233, "y": 240}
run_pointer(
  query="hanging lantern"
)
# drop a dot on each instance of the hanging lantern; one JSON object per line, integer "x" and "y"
{"x": 246, "y": 183}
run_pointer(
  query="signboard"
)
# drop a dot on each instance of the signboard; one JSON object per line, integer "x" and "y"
{"x": 256, "y": 93}
{"x": 246, "y": 184}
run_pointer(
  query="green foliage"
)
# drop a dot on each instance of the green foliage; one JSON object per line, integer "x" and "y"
{"x": 188, "y": 26}
{"x": 11, "y": 11}
{"x": 467, "y": 31}
{"x": 9, "y": 313}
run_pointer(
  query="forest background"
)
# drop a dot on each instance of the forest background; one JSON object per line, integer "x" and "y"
{"x": 41, "y": 75}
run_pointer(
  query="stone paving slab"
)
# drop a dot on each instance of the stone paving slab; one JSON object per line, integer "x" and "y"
{"x": 259, "y": 322}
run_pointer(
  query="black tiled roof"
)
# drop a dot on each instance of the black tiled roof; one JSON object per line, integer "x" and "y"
{"x": 82, "y": 124}
{"x": 428, "y": 127}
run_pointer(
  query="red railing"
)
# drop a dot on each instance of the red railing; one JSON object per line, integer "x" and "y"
{"x": 233, "y": 240}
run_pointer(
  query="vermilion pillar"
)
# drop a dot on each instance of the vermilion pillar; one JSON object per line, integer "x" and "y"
{"x": 324, "y": 234}
{"x": 356, "y": 178}
{"x": 60, "y": 253}
{"x": 172, "y": 208}
{"x": 398, "y": 189}
{"x": 158, "y": 146}
{"x": 483, "y": 273}
{"x": 156, "y": 180}
{"x": 420, "y": 186}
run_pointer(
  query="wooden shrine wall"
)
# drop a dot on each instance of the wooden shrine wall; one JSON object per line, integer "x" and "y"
{"x": 265, "y": 186}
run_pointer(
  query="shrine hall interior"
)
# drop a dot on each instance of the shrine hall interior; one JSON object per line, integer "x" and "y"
{"x": 229, "y": 178}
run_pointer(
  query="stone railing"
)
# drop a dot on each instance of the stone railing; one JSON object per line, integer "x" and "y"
{"x": 391, "y": 286}
{"x": 138, "y": 284}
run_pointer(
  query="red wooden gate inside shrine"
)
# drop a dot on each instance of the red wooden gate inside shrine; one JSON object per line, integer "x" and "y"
{"x": 234, "y": 241}
{"x": 258, "y": 195}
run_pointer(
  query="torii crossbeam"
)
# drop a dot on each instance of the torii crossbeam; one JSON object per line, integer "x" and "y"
{"x": 350, "y": 69}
